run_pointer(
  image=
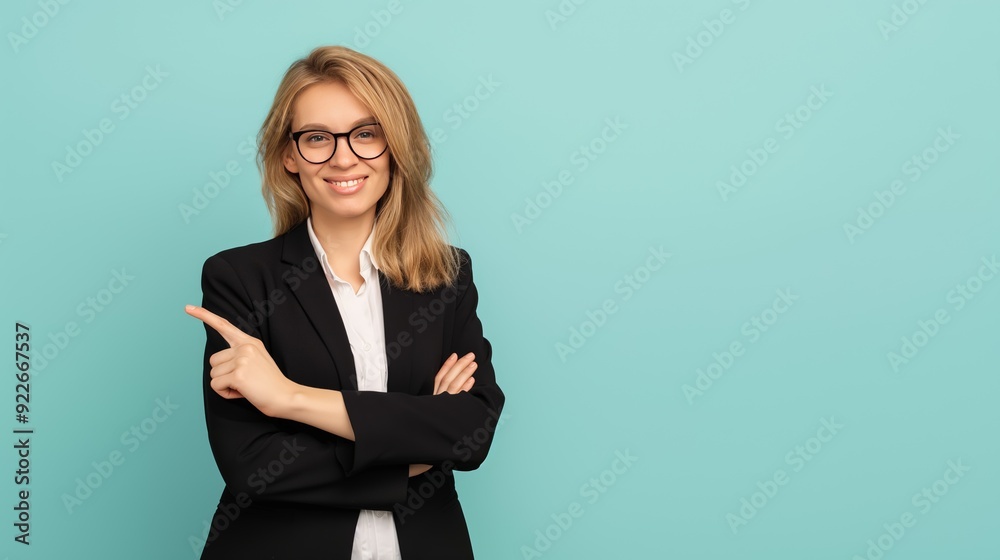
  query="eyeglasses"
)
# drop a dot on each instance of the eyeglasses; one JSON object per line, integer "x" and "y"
{"x": 367, "y": 141}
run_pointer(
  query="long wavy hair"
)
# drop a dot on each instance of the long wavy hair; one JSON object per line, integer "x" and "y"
{"x": 409, "y": 242}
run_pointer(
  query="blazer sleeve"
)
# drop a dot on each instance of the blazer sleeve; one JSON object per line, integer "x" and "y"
{"x": 266, "y": 458}
{"x": 394, "y": 427}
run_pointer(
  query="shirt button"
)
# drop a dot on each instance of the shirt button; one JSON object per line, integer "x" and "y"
{"x": 367, "y": 347}
{"x": 379, "y": 513}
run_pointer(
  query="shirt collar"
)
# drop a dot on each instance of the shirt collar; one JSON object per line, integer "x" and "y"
{"x": 366, "y": 259}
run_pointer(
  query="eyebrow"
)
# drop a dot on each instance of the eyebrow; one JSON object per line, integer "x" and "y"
{"x": 313, "y": 126}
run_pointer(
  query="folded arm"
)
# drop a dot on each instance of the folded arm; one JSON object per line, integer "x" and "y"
{"x": 390, "y": 430}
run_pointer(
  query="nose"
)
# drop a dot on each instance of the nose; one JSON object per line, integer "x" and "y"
{"x": 343, "y": 156}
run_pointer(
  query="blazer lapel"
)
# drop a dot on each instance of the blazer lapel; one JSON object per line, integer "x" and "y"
{"x": 397, "y": 305}
{"x": 304, "y": 275}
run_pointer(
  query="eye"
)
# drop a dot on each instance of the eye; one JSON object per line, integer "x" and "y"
{"x": 367, "y": 134}
{"x": 317, "y": 137}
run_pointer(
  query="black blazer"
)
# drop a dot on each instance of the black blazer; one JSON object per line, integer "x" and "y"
{"x": 294, "y": 491}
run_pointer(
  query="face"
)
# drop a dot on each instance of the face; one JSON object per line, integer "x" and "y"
{"x": 331, "y": 186}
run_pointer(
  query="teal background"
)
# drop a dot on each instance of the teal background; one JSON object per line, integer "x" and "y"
{"x": 654, "y": 186}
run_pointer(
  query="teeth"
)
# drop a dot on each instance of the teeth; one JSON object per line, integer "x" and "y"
{"x": 346, "y": 183}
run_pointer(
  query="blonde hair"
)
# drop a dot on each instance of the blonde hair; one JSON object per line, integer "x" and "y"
{"x": 409, "y": 242}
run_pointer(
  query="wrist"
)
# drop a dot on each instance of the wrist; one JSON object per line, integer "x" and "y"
{"x": 293, "y": 402}
{"x": 321, "y": 408}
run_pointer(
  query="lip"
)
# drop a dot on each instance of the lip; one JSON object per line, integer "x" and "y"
{"x": 347, "y": 190}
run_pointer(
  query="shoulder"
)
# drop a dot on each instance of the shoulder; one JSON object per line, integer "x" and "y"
{"x": 464, "y": 260}
{"x": 463, "y": 284}
{"x": 252, "y": 259}
{"x": 461, "y": 254}
{"x": 249, "y": 253}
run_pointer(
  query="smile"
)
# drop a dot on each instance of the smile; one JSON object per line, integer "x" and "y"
{"x": 347, "y": 187}
{"x": 345, "y": 183}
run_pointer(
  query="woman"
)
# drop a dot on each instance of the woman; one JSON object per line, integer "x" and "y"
{"x": 338, "y": 380}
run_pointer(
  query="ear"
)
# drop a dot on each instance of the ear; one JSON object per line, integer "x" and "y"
{"x": 291, "y": 164}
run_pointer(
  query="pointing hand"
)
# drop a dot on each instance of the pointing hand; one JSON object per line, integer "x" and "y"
{"x": 245, "y": 369}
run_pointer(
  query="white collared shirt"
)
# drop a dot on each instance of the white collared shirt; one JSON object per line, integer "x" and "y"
{"x": 375, "y": 535}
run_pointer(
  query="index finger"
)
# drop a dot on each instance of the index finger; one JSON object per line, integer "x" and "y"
{"x": 228, "y": 331}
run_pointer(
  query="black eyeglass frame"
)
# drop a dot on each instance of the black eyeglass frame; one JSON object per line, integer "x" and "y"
{"x": 336, "y": 137}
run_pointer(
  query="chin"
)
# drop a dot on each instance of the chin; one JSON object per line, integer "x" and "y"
{"x": 347, "y": 211}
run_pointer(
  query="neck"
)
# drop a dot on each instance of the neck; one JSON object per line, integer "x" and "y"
{"x": 342, "y": 238}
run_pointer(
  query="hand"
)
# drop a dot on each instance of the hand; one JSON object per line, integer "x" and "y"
{"x": 455, "y": 374}
{"x": 454, "y": 377}
{"x": 418, "y": 468}
{"x": 245, "y": 369}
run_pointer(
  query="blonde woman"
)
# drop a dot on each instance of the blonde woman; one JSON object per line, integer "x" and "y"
{"x": 346, "y": 373}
